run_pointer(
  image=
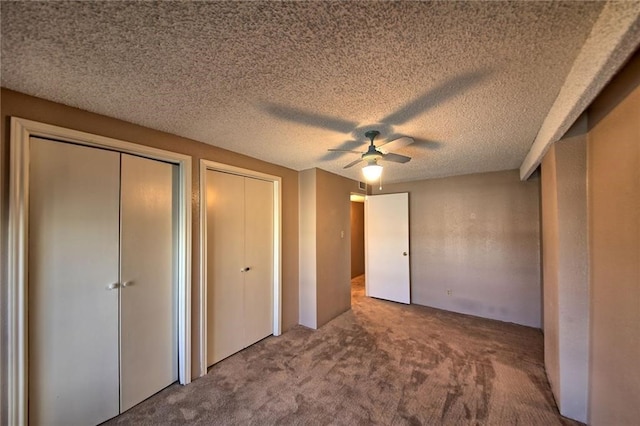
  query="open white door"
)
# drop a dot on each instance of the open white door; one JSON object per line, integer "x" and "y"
{"x": 386, "y": 221}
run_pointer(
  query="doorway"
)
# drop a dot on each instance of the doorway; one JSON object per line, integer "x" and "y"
{"x": 357, "y": 244}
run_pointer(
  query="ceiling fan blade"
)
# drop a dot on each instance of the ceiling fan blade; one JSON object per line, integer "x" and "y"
{"x": 395, "y": 144}
{"x": 396, "y": 158}
{"x": 353, "y": 163}
{"x": 344, "y": 150}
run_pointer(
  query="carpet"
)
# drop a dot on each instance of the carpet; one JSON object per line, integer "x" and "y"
{"x": 379, "y": 363}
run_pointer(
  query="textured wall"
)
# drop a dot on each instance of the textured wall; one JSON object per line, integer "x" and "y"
{"x": 357, "y": 239}
{"x": 333, "y": 244}
{"x": 325, "y": 246}
{"x": 19, "y": 105}
{"x": 549, "y": 231}
{"x": 478, "y": 236}
{"x": 573, "y": 280}
{"x": 308, "y": 299}
{"x": 565, "y": 270}
{"x": 614, "y": 250}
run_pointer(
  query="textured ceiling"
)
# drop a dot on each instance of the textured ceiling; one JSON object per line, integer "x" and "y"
{"x": 472, "y": 82}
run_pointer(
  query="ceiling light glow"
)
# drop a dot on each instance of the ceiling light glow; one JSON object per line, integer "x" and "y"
{"x": 372, "y": 171}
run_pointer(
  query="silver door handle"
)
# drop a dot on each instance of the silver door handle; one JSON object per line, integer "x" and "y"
{"x": 247, "y": 269}
{"x": 113, "y": 286}
{"x": 127, "y": 283}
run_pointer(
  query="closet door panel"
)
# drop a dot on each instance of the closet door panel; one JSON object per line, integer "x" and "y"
{"x": 225, "y": 261}
{"x": 148, "y": 308}
{"x": 259, "y": 257}
{"x": 73, "y": 258}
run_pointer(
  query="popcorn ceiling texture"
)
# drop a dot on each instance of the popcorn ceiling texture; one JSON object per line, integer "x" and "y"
{"x": 618, "y": 27}
{"x": 472, "y": 82}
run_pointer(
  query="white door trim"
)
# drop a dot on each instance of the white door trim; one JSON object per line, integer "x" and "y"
{"x": 17, "y": 363}
{"x": 277, "y": 252}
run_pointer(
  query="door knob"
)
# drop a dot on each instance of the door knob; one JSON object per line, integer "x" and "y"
{"x": 404, "y": 253}
{"x": 247, "y": 269}
{"x": 113, "y": 286}
{"x": 127, "y": 283}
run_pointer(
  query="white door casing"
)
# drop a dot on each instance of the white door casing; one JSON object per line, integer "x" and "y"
{"x": 276, "y": 311}
{"x": 17, "y": 322}
{"x": 387, "y": 247}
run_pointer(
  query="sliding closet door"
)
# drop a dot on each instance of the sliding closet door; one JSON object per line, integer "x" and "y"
{"x": 73, "y": 262}
{"x": 225, "y": 263}
{"x": 259, "y": 257}
{"x": 148, "y": 316}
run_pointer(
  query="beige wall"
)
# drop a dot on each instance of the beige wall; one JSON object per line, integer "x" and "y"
{"x": 308, "y": 304}
{"x": 325, "y": 228}
{"x": 357, "y": 239}
{"x": 20, "y": 105}
{"x": 549, "y": 231}
{"x": 478, "y": 236}
{"x": 614, "y": 250}
{"x": 333, "y": 244}
{"x": 565, "y": 270}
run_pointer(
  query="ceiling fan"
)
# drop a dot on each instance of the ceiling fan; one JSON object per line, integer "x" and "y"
{"x": 373, "y": 170}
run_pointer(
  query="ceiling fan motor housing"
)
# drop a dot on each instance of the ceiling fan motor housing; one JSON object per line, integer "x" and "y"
{"x": 372, "y": 154}
{"x": 371, "y": 134}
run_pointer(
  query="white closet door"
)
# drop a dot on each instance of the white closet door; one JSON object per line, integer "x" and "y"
{"x": 148, "y": 316}
{"x": 258, "y": 288}
{"x": 225, "y": 261}
{"x": 73, "y": 259}
{"x": 386, "y": 223}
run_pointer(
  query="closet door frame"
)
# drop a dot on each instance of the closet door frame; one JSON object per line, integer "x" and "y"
{"x": 17, "y": 327}
{"x": 277, "y": 248}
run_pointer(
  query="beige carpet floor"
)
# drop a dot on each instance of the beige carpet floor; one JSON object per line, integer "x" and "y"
{"x": 379, "y": 363}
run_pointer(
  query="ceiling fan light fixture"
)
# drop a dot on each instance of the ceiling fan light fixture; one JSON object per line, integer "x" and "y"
{"x": 372, "y": 171}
